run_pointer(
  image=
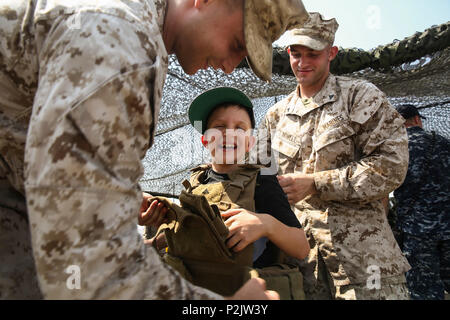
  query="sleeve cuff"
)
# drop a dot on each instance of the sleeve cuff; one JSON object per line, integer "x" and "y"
{"x": 327, "y": 183}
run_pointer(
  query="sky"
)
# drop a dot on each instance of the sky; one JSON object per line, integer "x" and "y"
{"x": 367, "y": 24}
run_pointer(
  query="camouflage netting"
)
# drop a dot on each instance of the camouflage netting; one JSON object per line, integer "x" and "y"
{"x": 415, "y": 70}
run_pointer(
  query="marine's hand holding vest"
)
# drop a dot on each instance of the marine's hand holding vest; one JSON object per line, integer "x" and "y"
{"x": 152, "y": 212}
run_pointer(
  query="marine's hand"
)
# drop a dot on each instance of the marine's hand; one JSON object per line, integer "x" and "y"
{"x": 254, "y": 289}
{"x": 297, "y": 186}
{"x": 245, "y": 227}
{"x": 151, "y": 213}
{"x": 145, "y": 202}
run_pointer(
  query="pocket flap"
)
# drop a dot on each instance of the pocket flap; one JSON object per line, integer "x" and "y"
{"x": 282, "y": 145}
{"x": 330, "y": 136}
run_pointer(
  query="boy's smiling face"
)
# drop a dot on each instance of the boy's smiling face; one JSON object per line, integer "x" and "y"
{"x": 229, "y": 136}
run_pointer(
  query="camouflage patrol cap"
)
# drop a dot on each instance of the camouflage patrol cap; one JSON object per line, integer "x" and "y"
{"x": 316, "y": 34}
{"x": 264, "y": 22}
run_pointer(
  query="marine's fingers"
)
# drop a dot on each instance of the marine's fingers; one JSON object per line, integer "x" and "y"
{"x": 272, "y": 295}
{"x": 161, "y": 216}
{"x": 146, "y": 217}
{"x": 285, "y": 181}
{"x": 156, "y": 214}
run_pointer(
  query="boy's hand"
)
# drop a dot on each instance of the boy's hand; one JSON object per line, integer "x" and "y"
{"x": 245, "y": 227}
{"x": 152, "y": 213}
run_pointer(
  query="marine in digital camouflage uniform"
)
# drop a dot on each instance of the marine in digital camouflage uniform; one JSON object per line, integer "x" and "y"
{"x": 80, "y": 89}
{"x": 423, "y": 203}
{"x": 349, "y": 147}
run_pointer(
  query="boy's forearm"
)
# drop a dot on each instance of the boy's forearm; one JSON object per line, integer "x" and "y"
{"x": 291, "y": 240}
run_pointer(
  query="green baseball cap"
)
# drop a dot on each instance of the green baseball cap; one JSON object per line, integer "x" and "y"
{"x": 204, "y": 104}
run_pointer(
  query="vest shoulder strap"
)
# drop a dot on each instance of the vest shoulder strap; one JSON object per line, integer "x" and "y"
{"x": 242, "y": 183}
{"x": 196, "y": 173}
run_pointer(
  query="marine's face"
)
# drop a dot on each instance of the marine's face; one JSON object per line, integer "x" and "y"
{"x": 310, "y": 67}
{"x": 213, "y": 37}
{"x": 229, "y": 135}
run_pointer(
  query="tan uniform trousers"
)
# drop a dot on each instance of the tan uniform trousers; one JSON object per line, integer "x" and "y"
{"x": 393, "y": 288}
{"x": 18, "y": 278}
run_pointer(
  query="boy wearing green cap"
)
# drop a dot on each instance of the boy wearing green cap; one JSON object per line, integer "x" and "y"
{"x": 259, "y": 213}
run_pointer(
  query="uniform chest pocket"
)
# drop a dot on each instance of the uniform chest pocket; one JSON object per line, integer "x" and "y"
{"x": 335, "y": 146}
{"x": 285, "y": 145}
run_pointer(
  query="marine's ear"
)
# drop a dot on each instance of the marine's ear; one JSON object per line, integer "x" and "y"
{"x": 333, "y": 53}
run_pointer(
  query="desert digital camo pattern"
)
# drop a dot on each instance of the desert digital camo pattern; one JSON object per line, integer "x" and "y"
{"x": 375, "y": 288}
{"x": 317, "y": 33}
{"x": 390, "y": 289}
{"x": 355, "y": 143}
{"x": 85, "y": 78}
{"x": 264, "y": 22}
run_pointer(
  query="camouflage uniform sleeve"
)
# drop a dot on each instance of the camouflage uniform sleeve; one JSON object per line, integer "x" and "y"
{"x": 263, "y": 141}
{"x": 381, "y": 147}
{"x": 263, "y": 148}
{"x": 90, "y": 128}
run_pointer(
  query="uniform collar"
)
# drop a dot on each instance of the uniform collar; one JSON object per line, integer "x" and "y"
{"x": 327, "y": 94}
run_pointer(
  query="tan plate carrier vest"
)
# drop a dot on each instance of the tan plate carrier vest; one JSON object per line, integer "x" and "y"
{"x": 196, "y": 237}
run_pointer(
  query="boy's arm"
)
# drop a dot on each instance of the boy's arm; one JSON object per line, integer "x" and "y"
{"x": 291, "y": 240}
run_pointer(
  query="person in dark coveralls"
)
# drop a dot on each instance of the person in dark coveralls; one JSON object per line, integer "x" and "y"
{"x": 422, "y": 208}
